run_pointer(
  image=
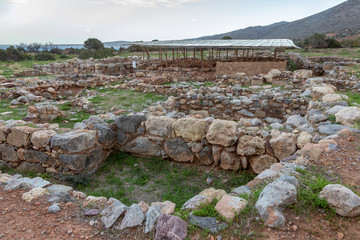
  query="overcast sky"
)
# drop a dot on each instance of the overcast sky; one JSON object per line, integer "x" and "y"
{"x": 73, "y": 21}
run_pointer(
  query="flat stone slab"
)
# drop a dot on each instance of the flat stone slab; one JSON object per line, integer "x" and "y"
{"x": 134, "y": 216}
{"x": 26, "y": 183}
{"x": 112, "y": 212}
{"x": 207, "y": 223}
{"x": 151, "y": 217}
{"x": 59, "y": 188}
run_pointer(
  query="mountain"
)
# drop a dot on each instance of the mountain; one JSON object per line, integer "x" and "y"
{"x": 340, "y": 21}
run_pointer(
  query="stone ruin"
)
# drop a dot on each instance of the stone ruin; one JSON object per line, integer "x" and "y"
{"x": 237, "y": 123}
{"x": 270, "y": 124}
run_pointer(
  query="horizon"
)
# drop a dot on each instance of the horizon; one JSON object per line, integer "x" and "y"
{"x": 139, "y": 20}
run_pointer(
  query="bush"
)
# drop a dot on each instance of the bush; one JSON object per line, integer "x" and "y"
{"x": 56, "y": 51}
{"x": 63, "y": 56}
{"x": 97, "y": 54}
{"x": 13, "y": 54}
{"x": 318, "y": 40}
{"x": 351, "y": 43}
{"x": 44, "y": 56}
{"x": 93, "y": 44}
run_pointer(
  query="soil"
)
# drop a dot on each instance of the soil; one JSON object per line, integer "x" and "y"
{"x": 22, "y": 220}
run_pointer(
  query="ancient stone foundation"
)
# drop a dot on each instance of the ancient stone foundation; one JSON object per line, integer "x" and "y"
{"x": 203, "y": 141}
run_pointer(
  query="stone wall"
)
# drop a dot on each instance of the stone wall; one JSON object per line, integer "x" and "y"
{"x": 205, "y": 141}
{"x": 250, "y": 68}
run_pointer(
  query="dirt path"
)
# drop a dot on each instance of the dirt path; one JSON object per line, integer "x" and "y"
{"x": 23, "y": 220}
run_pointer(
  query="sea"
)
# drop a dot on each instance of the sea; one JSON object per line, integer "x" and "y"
{"x": 76, "y": 46}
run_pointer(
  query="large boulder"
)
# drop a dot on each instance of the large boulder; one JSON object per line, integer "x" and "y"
{"x": 206, "y": 156}
{"x": 134, "y": 216}
{"x": 34, "y": 193}
{"x": 20, "y": 136}
{"x": 209, "y": 224}
{"x": 8, "y": 153}
{"x": 111, "y": 213}
{"x": 331, "y": 98}
{"x": 33, "y": 156}
{"x": 165, "y": 207}
{"x": 159, "y": 126}
{"x": 151, "y": 217}
{"x": 31, "y": 167}
{"x": 190, "y": 129}
{"x": 213, "y": 193}
{"x": 196, "y": 201}
{"x": 41, "y": 138}
{"x": 83, "y": 162}
{"x": 248, "y": 145}
{"x": 178, "y": 150}
{"x": 261, "y": 163}
{"x": 171, "y": 228}
{"x": 348, "y": 116}
{"x": 230, "y": 160}
{"x": 106, "y": 135}
{"x": 345, "y": 202}
{"x": 302, "y": 74}
{"x": 274, "y": 198}
{"x": 4, "y": 131}
{"x": 25, "y": 183}
{"x": 272, "y": 75}
{"x": 143, "y": 146}
{"x": 284, "y": 145}
{"x": 320, "y": 91}
{"x": 229, "y": 206}
{"x": 303, "y": 139}
{"x": 129, "y": 123}
{"x": 74, "y": 141}
{"x": 222, "y": 132}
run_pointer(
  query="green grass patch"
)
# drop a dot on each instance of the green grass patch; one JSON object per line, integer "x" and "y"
{"x": 125, "y": 99}
{"x": 312, "y": 180}
{"x": 7, "y": 113}
{"x": 10, "y": 68}
{"x": 153, "y": 179}
{"x": 336, "y": 52}
{"x": 354, "y": 98}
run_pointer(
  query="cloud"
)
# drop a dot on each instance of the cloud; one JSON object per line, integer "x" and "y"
{"x": 17, "y": 2}
{"x": 145, "y": 3}
{"x": 193, "y": 20}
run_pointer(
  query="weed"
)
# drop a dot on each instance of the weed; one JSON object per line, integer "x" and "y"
{"x": 313, "y": 180}
{"x": 81, "y": 180}
{"x": 208, "y": 210}
{"x": 332, "y": 119}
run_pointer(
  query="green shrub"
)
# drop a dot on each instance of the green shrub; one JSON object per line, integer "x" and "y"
{"x": 208, "y": 210}
{"x": 44, "y": 56}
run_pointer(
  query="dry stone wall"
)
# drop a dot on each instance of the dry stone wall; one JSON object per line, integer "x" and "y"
{"x": 205, "y": 141}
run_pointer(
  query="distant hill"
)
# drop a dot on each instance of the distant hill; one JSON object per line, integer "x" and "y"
{"x": 340, "y": 21}
{"x": 115, "y": 44}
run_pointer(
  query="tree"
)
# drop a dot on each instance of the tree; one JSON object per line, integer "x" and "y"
{"x": 93, "y": 44}
{"x": 226, "y": 38}
{"x": 320, "y": 40}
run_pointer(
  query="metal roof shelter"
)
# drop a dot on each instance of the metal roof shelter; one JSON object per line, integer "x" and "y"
{"x": 249, "y": 48}
{"x": 233, "y": 44}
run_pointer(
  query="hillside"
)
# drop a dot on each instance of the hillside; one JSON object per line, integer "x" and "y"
{"x": 341, "y": 21}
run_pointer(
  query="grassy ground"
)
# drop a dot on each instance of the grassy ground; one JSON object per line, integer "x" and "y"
{"x": 337, "y": 52}
{"x": 124, "y": 99}
{"x": 7, "y": 113}
{"x": 105, "y": 100}
{"x": 192, "y": 83}
{"x": 9, "y": 68}
{"x": 132, "y": 179}
{"x": 354, "y": 70}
